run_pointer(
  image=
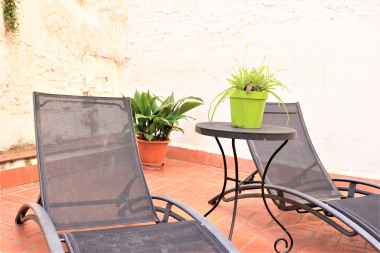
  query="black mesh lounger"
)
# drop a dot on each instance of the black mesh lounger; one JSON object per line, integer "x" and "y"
{"x": 91, "y": 177}
{"x": 297, "y": 180}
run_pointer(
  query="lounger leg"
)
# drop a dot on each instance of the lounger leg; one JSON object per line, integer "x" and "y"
{"x": 266, "y": 205}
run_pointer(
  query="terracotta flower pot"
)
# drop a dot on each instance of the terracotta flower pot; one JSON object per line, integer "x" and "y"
{"x": 152, "y": 153}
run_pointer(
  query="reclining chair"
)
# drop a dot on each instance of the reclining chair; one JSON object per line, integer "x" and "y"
{"x": 91, "y": 177}
{"x": 297, "y": 180}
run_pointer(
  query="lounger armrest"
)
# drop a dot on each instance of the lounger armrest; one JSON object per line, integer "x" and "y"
{"x": 369, "y": 238}
{"x": 355, "y": 181}
{"x": 199, "y": 217}
{"x": 44, "y": 222}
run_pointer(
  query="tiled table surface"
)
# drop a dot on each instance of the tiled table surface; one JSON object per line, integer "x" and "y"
{"x": 194, "y": 184}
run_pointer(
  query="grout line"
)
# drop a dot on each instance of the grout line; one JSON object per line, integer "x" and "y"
{"x": 295, "y": 224}
{"x": 337, "y": 243}
{"x": 30, "y": 249}
{"x": 248, "y": 243}
{"x": 270, "y": 223}
{"x": 309, "y": 242}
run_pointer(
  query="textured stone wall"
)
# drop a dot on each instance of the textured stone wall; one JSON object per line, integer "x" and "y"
{"x": 330, "y": 50}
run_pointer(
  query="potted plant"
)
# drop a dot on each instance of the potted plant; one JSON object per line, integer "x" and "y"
{"x": 248, "y": 93}
{"x": 154, "y": 123}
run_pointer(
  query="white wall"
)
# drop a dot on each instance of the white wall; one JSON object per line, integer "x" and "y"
{"x": 64, "y": 47}
{"x": 331, "y": 50}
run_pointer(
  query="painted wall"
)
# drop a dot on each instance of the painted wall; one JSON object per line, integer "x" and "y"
{"x": 64, "y": 47}
{"x": 331, "y": 50}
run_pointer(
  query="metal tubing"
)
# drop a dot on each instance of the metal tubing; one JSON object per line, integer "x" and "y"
{"x": 356, "y": 191}
{"x": 225, "y": 178}
{"x": 44, "y": 222}
{"x": 350, "y": 180}
{"x": 171, "y": 214}
{"x": 267, "y": 207}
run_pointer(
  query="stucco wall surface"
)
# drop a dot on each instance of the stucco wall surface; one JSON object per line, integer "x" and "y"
{"x": 330, "y": 50}
{"x": 64, "y": 47}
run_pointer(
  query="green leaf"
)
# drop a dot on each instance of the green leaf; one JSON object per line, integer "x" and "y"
{"x": 171, "y": 98}
{"x": 174, "y": 114}
{"x": 224, "y": 93}
{"x": 188, "y": 106}
{"x": 135, "y": 107}
{"x": 153, "y": 103}
{"x": 136, "y": 97}
{"x": 144, "y": 105}
{"x": 149, "y": 137}
{"x": 140, "y": 116}
{"x": 179, "y": 129}
{"x": 279, "y": 99}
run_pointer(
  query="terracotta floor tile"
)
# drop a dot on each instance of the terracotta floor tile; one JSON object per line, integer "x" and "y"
{"x": 259, "y": 221}
{"x": 17, "y": 199}
{"x": 28, "y": 193}
{"x": 22, "y": 232}
{"x": 30, "y": 186}
{"x": 7, "y": 245}
{"x": 36, "y": 240}
{"x": 349, "y": 249}
{"x": 356, "y": 241}
{"x": 286, "y": 219}
{"x": 259, "y": 244}
{"x": 301, "y": 232}
{"x": 195, "y": 184}
{"x": 11, "y": 190}
{"x": 38, "y": 250}
{"x": 315, "y": 250}
{"x": 299, "y": 243}
{"x": 5, "y": 228}
{"x": 231, "y": 204}
{"x": 270, "y": 233}
{"x": 226, "y": 221}
{"x": 8, "y": 206}
{"x": 370, "y": 247}
{"x": 325, "y": 241}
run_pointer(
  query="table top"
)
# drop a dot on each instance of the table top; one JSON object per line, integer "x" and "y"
{"x": 266, "y": 132}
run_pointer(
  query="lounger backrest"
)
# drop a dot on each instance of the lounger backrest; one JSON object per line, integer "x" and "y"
{"x": 89, "y": 166}
{"x": 297, "y": 165}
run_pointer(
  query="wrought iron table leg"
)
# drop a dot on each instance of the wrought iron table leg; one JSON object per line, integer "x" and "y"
{"x": 225, "y": 179}
{"x": 266, "y": 206}
{"x": 236, "y": 189}
{"x": 248, "y": 180}
{"x": 225, "y": 183}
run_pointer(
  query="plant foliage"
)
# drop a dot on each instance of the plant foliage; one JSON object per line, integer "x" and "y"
{"x": 11, "y": 15}
{"x": 155, "y": 122}
{"x": 258, "y": 79}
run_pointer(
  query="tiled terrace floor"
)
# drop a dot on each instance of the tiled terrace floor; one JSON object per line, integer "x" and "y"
{"x": 194, "y": 184}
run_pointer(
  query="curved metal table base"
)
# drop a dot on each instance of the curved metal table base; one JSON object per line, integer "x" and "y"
{"x": 225, "y": 183}
{"x": 288, "y": 247}
{"x": 236, "y": 189}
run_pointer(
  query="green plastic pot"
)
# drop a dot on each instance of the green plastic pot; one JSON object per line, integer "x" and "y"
{"x": 247, "y": 109}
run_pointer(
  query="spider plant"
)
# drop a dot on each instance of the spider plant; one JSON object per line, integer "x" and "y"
{"x": 154, "y": 122}
{"x": 258, "y": 79}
